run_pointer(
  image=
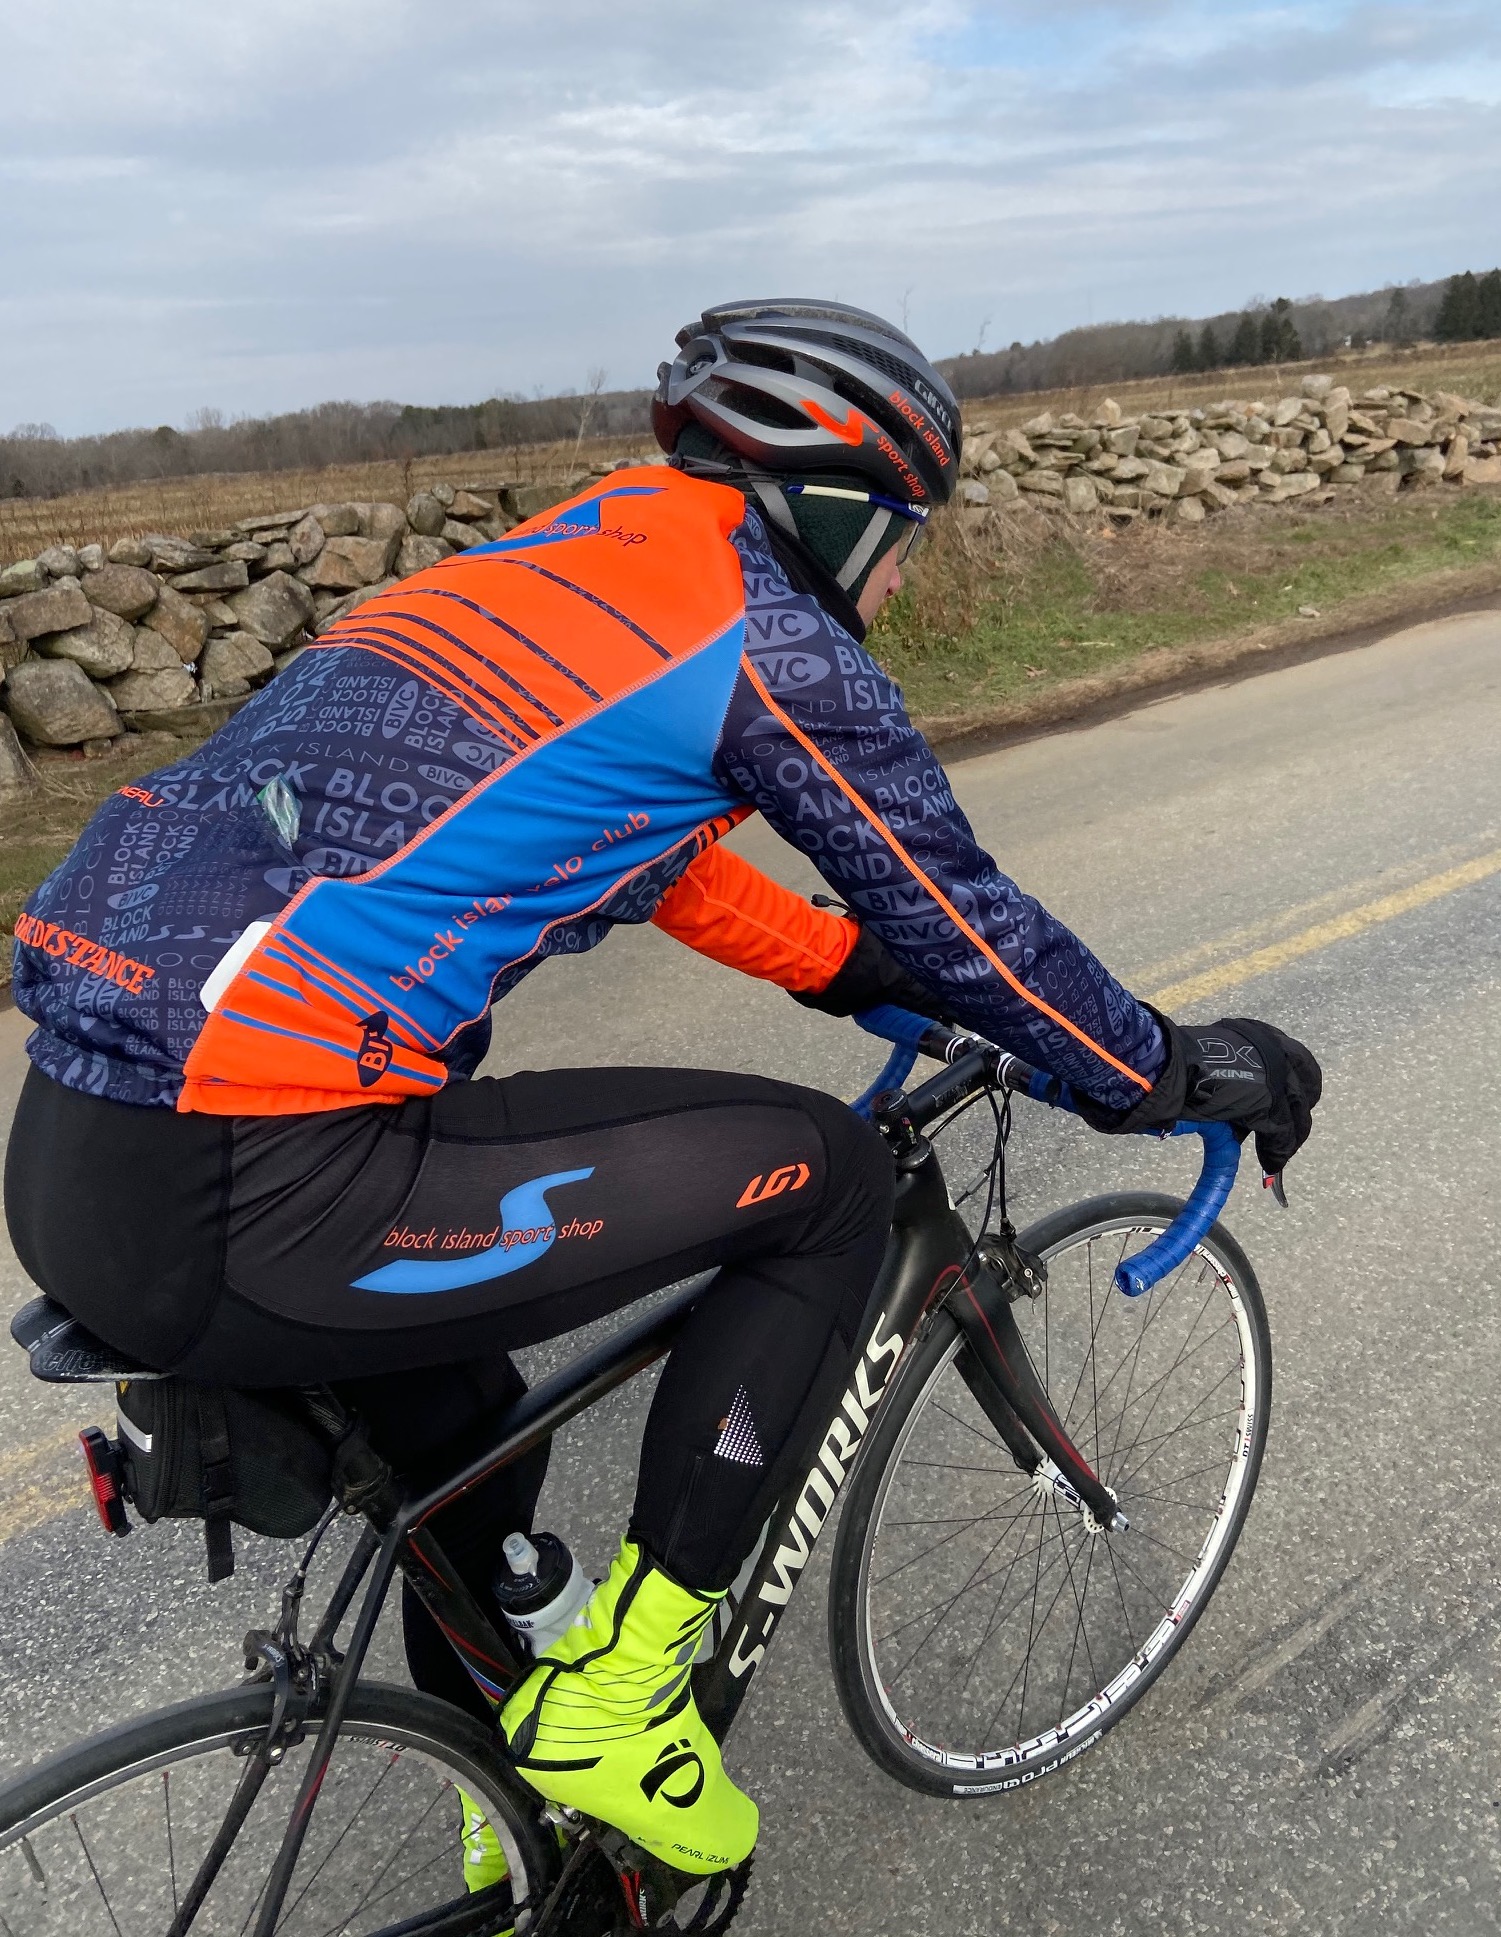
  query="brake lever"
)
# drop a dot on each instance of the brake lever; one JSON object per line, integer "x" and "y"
{"x": 1273, "y": 1182}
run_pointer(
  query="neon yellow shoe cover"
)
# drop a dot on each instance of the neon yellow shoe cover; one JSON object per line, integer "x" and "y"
{"x": 606, "y": 1723}
{"x": 484, "y": 1859}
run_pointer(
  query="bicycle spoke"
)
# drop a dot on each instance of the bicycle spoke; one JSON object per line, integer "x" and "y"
{"x": 88, "y": 1857}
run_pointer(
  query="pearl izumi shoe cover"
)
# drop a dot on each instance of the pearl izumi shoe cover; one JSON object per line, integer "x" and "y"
{"x": 606, "y": 1723}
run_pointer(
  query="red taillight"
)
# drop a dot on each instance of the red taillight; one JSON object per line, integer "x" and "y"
{"x": 102, "y": 1457}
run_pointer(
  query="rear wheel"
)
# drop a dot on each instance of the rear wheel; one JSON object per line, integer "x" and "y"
{"x": 984, "y": 1631}
{"x": 108, "y": 1837}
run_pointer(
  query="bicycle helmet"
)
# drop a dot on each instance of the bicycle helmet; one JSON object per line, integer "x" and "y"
{"x": 797, "y": 385}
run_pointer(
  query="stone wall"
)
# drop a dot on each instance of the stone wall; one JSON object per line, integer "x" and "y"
{"x": 148, "y": 634}
{"x": 1187, "y": 464}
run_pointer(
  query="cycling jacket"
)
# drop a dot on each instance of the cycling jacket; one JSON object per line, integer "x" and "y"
{"x": 495, "y": 761}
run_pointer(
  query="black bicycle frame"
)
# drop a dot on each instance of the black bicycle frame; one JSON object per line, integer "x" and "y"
{"x": 930, "y": 1259}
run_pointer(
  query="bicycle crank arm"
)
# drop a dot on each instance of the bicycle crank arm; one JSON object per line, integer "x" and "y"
{"x": 982, "y": 1310}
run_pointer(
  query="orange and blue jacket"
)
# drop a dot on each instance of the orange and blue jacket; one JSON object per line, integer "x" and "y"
{"x": 496, "y": 761}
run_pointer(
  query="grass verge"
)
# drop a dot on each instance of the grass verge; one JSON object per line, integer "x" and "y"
{"x": 1005, "y": 607}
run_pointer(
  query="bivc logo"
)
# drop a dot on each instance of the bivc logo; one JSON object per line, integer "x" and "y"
{"x": 527, "y": 1230}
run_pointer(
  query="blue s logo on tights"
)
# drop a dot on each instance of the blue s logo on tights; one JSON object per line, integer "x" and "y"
{"x": 527, "y": 1230}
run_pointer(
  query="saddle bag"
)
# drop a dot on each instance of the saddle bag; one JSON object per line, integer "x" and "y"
{"x": 224, "y": 1456}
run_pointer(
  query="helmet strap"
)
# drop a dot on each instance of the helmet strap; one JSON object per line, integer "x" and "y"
{"x": 866, "y": 550}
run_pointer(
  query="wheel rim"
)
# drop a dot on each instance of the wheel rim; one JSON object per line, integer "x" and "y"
{"x": 1001, "y": 1632}
{"x": 118, "y": 1854}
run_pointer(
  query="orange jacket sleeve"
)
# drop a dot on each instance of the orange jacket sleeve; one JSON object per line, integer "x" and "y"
{"x": 731, "y": 912}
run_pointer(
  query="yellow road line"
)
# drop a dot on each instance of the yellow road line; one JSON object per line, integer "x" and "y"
{"x": 1262, "y": 961}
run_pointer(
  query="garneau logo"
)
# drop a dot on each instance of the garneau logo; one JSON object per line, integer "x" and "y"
{"x": 819, "y": 1491}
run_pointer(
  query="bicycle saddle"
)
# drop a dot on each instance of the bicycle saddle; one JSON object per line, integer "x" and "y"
{"x": 63, "y": 1352}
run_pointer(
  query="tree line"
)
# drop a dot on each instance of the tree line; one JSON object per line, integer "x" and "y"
{"x": 36, "y": 463}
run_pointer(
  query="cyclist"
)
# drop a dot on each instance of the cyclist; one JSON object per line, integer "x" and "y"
{"x": 252, "y": 1148}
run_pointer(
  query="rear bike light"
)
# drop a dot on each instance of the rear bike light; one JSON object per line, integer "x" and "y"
{"x": 102, "y": 1457}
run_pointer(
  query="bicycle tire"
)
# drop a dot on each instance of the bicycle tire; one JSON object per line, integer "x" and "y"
{"x": 935, "y": 1767}
{"x": 394, "y": 1719}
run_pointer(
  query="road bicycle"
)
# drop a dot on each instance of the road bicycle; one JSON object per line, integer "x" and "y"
{"x": 1044, "y": 1456}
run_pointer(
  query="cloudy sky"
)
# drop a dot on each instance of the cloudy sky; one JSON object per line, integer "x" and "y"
{"x": 259, "y": 207}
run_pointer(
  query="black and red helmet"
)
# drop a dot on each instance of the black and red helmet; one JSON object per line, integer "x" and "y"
{"x": 809, "y": 386}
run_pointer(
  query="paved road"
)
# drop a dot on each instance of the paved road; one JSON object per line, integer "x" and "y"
{"x": 1320, "y": 845}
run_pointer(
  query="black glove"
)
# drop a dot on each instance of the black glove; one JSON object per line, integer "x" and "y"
{"x": 1239, "y": 1071}
{"x": 869, "y": 977}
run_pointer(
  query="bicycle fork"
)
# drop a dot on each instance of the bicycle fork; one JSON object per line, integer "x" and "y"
{"x": 998, "y": 1370}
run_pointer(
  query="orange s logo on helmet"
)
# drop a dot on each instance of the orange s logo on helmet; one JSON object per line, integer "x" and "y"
{"x": 789, "y": 1177}
{"x": 851, "y": 431}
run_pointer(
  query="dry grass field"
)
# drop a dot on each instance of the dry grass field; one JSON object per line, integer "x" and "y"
{"x": 204, "y": 503}
{"x": 209, "y": 503}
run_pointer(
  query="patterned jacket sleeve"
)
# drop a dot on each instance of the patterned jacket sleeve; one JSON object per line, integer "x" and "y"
{"x": 818, "y": 739}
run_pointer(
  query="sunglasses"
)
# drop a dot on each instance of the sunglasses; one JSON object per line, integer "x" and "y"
{"x": 916, "y": 515}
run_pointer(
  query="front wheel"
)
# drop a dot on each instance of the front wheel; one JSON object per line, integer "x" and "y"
{"x": 984, "y": 1630}
{"x": 109, "y": 1836}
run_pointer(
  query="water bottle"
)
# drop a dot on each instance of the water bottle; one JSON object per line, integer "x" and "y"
{"x": 540, "y": 1588}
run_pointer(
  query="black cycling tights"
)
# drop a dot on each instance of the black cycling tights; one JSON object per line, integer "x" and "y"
{"x": 400, "y": 1254}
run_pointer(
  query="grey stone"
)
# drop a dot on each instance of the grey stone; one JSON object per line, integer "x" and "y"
{"x": 1080, "y": 495}
{"x": 56, "y": 704}
{"x": 143, "y": 692}
{"x": 337, "y": 520}
{"x": 279, "y": 557}
{"x": 1109, "y": 414}
{"x": 59, "y": 609}
{"x": 212, "y": 541}
{"x": 278, "y": 521}
{"x": 1347, "y": 474}
{"x": 425, "y": 514}
{"x": 1003, "y": 488}
{"x": 1408, "y": 430}
{"x": 1042, "y": 484}
{"x": 1317, "y": 387}
{"x": 90, "y": 557}
{"x": 1326, "y": 462}
{"x": 229, "y": 665}
{"x": 306, "y": 539}
{"x": 274, "y": 610}
{"x": 1217, "y": 495}
{"x": 1188, "y": 511}
{"x": 533, "y": 499}
{"x": 228, "y": 575}
{"x": 179, "y": 622}
{"x": 129, "y": 551}
{"x": 1231, "y": 444}
{"x": 59, "y": 561}
{"x": 1130, "y": 469}
{"x": 1457, "y": 456}
{"x": 221, "y": 617}
{"x": 103, "y": 647}
{"x": 125, "y": 590}
{"x": 17, "y": 775}
{"x": 12, "y": 649}
{"x": 246, "y": 550}
{"x": 1198, "y": 472}
{"x": 461, "y": 537}
{"x": 445, "y": 494}
{"x": 345, "y": 564}
{"x": 1127, "y": 498}
{"x": 151, "y": 653}
{"x": 341, "y": 607}
{"x": 1483, "y": 470}
{"x": 466, "y": 506}
{"x": 1158, "y": 428}
{"x": 1165, "y": 479}
{"x": 176, "y": 554}
{"x": 1337, "y": 421}
{"x": 1298, "y": 485}
{"x": 418, "y": 552}
{"x": 973, "y": 493}
{"x": 382, "y": 521}
{"x": 24, "y": 576}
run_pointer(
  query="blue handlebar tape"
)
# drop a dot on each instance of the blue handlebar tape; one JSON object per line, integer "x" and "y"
{"x": 1205, "y": 1202}
{"x": 895, "y": 1025}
